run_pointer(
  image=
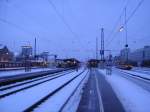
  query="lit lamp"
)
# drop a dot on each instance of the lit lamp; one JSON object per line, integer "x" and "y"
{"x": 121, "y": 28}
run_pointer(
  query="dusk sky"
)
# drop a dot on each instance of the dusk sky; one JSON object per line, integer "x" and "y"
{"x": 69, "y": 27}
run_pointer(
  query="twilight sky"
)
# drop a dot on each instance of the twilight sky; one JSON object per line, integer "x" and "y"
{"x": 69, "y": 27}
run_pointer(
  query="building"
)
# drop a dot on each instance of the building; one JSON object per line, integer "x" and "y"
{"x": 140, "y": 55}
{"x": 5, "y": 54}
{"x": 124, "y": 53}
{"x": 26, "y": 51}
{"x": 44, "y": 56}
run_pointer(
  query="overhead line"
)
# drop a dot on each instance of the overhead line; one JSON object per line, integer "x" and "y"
{"x": 116, "y": 24}
{"x": 62, "y": 18}
{"x": 64, "y": 21}
{"x": 24, "y": 14}
{"x": 16, "y": 26}
{"x": 131, "y": 15}
{"x": 134, "y": 11}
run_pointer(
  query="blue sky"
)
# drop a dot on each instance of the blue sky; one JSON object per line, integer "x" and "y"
{"x": 37, "y": 18}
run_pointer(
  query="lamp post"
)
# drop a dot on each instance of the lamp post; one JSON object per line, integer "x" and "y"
{"x": 126, "y": 33}
{"x": 126, "y": 45}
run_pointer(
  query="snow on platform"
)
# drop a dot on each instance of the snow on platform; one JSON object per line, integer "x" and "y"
{"x": 133, "y": 97}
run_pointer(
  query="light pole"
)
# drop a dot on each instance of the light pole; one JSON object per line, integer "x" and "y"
{"x": 126, "y": 33}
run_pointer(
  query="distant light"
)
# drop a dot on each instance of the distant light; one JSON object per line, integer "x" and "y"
{"x": 121, "y": 29}
{"x": 16, "y": 53}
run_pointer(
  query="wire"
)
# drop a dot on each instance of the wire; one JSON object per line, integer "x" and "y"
{"x": 29, "y": 17}
{"x": 131, "y": 15}
{"x": 62, "y": 18}
{"x": 16, "y": 26}
{"x": 65, "y": 23}
{"x": 134, "y": 11}
{"x": 116, "y": 24}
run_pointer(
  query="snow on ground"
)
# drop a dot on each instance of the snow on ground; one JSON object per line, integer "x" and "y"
{"x": 20, "y": 72}
{"x": 28, "y": 84}
{"x": 20, "y": 101}
{"x": 35, "y": 79}
{"x": 74, "y": 101}
{"x": 133, "y": 97}
{"x": 137, "y": 73}
{"x": 55, "y": 103}
{"x": 141, "y": 70}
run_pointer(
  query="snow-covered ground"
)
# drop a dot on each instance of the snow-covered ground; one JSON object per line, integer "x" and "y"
{"x": 74, "y": 101}
{"x": 20, "y": 72}
{"x": 133, "y": 97}
{"x": 22, "y": 100}
{"x": 145, "y": 75}
{"x": 141, "y": 70}
{"x": 15, "y": 68}
{"x": 55, "y": 103}
{"x": 31, "y": 83}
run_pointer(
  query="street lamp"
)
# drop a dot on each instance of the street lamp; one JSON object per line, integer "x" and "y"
{"x": 121, "y": 29}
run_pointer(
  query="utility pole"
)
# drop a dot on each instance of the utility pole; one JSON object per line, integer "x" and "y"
{"x": 96, "y": 48}
{"x": 102, "y": 44}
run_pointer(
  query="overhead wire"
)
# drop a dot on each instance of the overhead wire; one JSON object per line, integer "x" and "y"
{"x": 62, "y": 18}
{"x": 113, "y": 32}
{"x": 21, "y": 28}
{"x": 134, "y": 11}
{"x": 75, "y": 36}
{"x": 31, "y": 19}
{"x": 130, "y": 16}
{"x": 17, "y": 26}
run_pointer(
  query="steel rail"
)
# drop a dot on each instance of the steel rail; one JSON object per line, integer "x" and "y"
{"x": 30, "y": 86}
{"x": 35, "y": 105}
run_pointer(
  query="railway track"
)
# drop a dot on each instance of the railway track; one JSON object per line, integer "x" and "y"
{"x": 12, "y": 89}
{"x": 26, "y": 76}
{"x": 12, "y": 92}
{"x": 142, "y": 71}
{"x": 139, "y": 80}
{"x": 135, "y": 76}
{"x": 5, "y": 87}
